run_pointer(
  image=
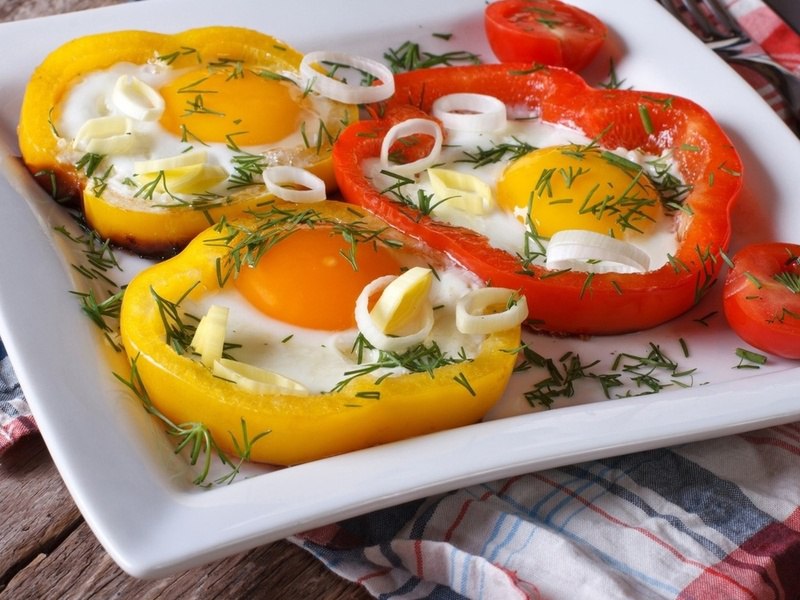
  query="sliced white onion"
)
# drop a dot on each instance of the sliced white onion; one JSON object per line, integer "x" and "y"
{"x": 460, "y": 191}
{"x": 281, "y": 179}
{"x": 470, "y": 317}
{"x": 167, "y": 163}
{"x": 401, "y": 299}
{"x": 594, "y": 253}
{"x": 407, "y": 128}
{"x": 137, "y": 100}
{"x": 346, "y": 92}
{"x": 368, "y": 328}
{"x": 192, "y": 179}
{"x": 209, "y": 336}
{"x": 105, "y": 135}
{"x": 255, "y": 379}
{"x": 470, "y": 112}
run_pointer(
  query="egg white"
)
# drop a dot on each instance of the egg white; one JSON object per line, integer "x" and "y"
{"x": 502, "y": 229}
{"x": 90, "y": 98}
{"x": 321, "y": 359}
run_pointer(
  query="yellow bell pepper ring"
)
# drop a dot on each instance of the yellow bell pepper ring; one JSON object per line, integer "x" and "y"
{"x": 362, "y": 413}
{"x": 232, "y": 89}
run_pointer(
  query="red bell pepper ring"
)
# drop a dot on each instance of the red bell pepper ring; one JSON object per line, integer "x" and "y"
{"x": 571, "y": 302}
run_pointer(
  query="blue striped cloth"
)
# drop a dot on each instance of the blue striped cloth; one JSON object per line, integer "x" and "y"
{"x": 712, "y": 520}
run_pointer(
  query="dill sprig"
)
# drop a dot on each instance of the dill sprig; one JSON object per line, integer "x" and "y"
{"x": 613, "y": 82}
{"x": 101, "y": 305}
{"x": 180, "y": 327}
{"x": 89, "y": 162}
{"x": 170, "y": 58}
{"x": 193, "y": 435}
{"x": 533, "y": 248}
{"x": 789, "y": 280}
{"x": 247, "y": 168}
{"x": 157, "y": 189}
{"x": 100, "y": 311}
{"x": 706, "y": 275}
{"x": 178, "y": 333}
{"x": 97, "y": 253}
{"x": 247, "y": 244}
{"x": 424, "y": 203}
{"x": 749, "y": 359}
{"x": 421, "y": 358}
{"x": 498, "y": 152}
{"x": 672, "y": 189}
{"x": 410, "y": 56}
{"x": 630, "y": 374}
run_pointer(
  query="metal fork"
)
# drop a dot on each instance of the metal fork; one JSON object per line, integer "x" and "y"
{"x": 711, "y": 21}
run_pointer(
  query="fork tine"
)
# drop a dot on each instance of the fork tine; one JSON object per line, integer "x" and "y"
{"x": 709, "y": 19}
{"x": 700, "y": 20}
{"x": 724, "y": 16}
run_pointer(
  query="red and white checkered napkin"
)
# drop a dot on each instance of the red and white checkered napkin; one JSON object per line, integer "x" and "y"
{"x": 771, "y": 36}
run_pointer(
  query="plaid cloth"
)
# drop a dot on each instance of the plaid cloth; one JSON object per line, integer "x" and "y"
{"x": 16, "y": 420}
{"x": 711, "y": 520}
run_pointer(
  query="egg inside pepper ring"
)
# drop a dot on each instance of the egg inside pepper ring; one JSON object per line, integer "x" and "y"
{"x": 567, "y": 301}
{"x": 365, "y": 412}
{"x": 155, "y": 136}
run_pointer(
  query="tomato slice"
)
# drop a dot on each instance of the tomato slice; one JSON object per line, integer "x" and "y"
{"x": 761, "y": 298}
{"x": 548, "y": 32}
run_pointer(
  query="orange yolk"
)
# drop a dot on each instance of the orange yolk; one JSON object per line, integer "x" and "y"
{"x": 306, "y": 280}
{"x": 570, "y": 187}
{"x": 211, "y": 105}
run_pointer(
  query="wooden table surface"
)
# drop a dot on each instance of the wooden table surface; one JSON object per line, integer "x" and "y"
{"x": 48, "y": 551}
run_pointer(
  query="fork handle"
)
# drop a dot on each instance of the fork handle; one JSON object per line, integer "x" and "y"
{"x": 784, "y": 81}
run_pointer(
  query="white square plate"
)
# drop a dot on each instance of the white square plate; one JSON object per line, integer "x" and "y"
{"x": 119, "y": 466}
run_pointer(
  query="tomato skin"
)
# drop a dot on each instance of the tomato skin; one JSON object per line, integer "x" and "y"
{"x": 547, "y": 32}
{"x": 761, "y": 310}
{"x": 570, "y": 303}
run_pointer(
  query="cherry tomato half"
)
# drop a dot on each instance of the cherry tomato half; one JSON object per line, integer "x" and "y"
{"x": 548, "y": 32}
{"x": 761, "y": 297}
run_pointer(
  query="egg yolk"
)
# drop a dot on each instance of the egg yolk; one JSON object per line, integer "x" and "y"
{"x": 574, "y": 187}
{"x": 211, "y": 105}
{"x": 307, "y": 280}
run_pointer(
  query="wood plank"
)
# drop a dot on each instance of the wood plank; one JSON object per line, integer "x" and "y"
{"x": 48, "y": 551}
{"x": 79, "y": 568}
{"x": 38, "y": 512}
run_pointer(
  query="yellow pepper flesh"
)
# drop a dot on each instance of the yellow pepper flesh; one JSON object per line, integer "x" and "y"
{"x": 300, "y": 428}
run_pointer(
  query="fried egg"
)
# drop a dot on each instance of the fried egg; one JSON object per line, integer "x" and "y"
{"x": 293, "y": 312}
{"x": 540, "y": 179}
{"x": 212, "y": 129}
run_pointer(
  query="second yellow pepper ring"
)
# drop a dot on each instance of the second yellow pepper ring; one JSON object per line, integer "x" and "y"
{"x": 303, "y": 428}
